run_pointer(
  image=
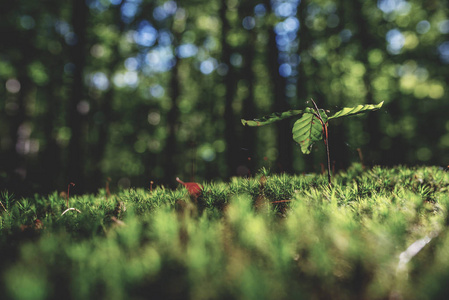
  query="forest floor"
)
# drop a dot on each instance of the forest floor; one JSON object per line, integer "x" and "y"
{"x": 378, "y": 233}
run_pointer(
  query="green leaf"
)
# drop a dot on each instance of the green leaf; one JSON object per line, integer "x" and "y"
{"x": 274, "y": 117}
{"x": 359, "y": 109}
{"x": 308, "y": 129}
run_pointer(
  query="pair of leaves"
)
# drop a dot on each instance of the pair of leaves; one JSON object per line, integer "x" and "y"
{"x": 309, "y": 128}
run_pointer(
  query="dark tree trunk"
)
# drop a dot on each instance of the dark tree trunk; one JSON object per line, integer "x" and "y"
{"x": 105, "y": 108}
{"x": 170, "y": 151}
{"x": 15, "y": 161}
{"x": 247, "y": 158}
{"x": 339, "y": 153}
{"x": 303, "y": 91}
{"x": 51, "y": 155}
{"x": 232, "y": 144}
{"x": 368, "y": 42}
{"x": 284, "y": 160}
{"x": 75, "y": 164}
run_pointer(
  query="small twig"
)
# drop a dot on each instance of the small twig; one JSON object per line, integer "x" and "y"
{"x": 326, "y": 140}
{"x": 180, "y": 181}
{"x": 117, "y": 221}
{"x": 68, "y": 209}
{"x": 361, "y": 157}
{"x": 108, "y": 192}
{"x": 151, "y": 185}
{"x": 5, "y": 208}
{"x": 280, "y": 201}
{"x": 68, "y": 192}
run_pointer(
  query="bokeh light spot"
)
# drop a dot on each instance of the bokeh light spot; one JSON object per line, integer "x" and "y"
{"x": 157, "y": 91}
{"x": 12, "y": 85}
{"x": 249, "y": 23}
{"x": 285, "y": 70}
{"x": 207, "y": 66}
{"x": 423, "y": 27}
{"x": 436, "y": 91}
{"x": 424, "y": 154}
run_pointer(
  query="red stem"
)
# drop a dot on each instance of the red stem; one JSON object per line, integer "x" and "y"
{"x": 280, "y": 201}
{"x": 180, "y": 181}
{"x": 68, "y": 192}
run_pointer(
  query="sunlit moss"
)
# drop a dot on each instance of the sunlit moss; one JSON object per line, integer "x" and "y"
{"x": 24, "y": 283}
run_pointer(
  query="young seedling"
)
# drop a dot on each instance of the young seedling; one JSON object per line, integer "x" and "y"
{"x": 68, "y": 192}
{"x": 312, "y": 125}
{"x": 108, "y": 191}
{"x": 68, "y": 195}
{"x": 193, "y": 188}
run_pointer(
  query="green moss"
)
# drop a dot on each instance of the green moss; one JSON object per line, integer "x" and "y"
{"x": 320, "y": 242}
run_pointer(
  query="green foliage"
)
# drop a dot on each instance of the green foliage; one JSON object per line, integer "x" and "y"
{"x": 348, "y": 55}
{"x": 359, "y": 109}
{"x": 309, "y": 128}
{"x": 348, "y": 238}
{"x": 274, "y": 117}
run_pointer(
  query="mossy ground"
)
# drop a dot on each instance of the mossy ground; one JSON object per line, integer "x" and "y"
{"x": 266, "y": 237}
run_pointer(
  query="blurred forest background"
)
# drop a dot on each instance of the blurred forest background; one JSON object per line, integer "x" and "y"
{"x": 139, "y": 91}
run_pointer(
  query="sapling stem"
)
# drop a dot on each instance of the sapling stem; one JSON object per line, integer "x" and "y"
{"x": 361, "y": 157}
{"x": 307, "y": 131}
{"x": 326, "y": 141}
{"x": 108, "y": 192}
{"x": 68, "y": 192}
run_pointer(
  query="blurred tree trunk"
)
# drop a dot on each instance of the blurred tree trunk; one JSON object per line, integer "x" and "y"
{"x": 51, "y": 155}
{"x": 15, "y": 162}
{"x": 105, "y": 107}
{"x": 368, "y": 42}
{"x": 303, "y": 90}
{"x": 170, "y": 151}
{"x": 75, "y": 163}
{"x": 232, "y": 144}
{"x": 284, "y": 160}
{"x": 247, "y": 75}
{"x": 337, "y": 133}
{"x": 18, "y": 47}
